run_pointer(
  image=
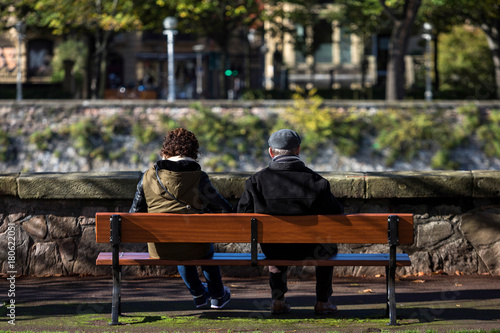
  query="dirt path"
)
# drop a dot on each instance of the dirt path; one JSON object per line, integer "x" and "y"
{"x": 69, "y": 304}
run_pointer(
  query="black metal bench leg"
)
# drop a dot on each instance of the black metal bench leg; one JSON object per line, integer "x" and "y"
{"x": 117, "y": 271}
{"x": 116, "y": 302}
{"x": 393, "y": 240}
{"x": 387, "y": 291}
{"x": 391, "y": 287}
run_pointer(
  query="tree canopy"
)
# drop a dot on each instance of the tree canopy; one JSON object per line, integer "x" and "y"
{"x": 227, "y": 21}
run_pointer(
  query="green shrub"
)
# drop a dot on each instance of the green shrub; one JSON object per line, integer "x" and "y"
{"x": 153, "y": 157}
{"x": 41, "y": 139}
{"x": 135, "y": 158}
{"x": 114, "y": 125}
{"x": 307, "y": 117}
{"x": 86, "y": 136}
{"x": 74, "y": 50}
{"x": 167, "y": 124}
{"x": 465, "y": 64}
{"x": 221, "y": 163}
{"x": 489, "y": 134}
{"x": 144, "y": 133}
{"x": 214, "y": 132}
{"x": 98, "y": 153}
{"x": 228, "y": 136}
{"x": 252, "y": 134}
{"x": 406, "y": 132}
{"x": 4, "y": 145}
{"x": 117, "y": 154}
{"x": 320, "y": 126}
{"x": 442, "y": 161}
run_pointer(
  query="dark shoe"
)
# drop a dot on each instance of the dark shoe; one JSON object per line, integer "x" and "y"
{"x": 280, "y": 307}
{"x": 202, "y": 300}
{"x": 325, "y": 308}
{"x": 219, "y": 303}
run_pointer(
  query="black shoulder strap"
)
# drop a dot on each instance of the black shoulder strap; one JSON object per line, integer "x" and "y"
{"x": 188, "y": 206}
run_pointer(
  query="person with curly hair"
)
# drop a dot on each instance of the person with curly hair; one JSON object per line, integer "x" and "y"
{"x": 176, "y": 184}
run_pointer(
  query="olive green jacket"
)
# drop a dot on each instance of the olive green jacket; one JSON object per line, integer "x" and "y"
{"x": 184, "y": 189}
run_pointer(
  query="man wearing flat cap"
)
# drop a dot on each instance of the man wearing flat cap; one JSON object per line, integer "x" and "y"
{"x": 288, "y": 187}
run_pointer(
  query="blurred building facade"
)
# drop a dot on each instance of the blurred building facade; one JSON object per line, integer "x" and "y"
{"x": 137, "y": 63}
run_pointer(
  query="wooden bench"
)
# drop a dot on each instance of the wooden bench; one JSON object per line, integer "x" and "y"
{"x": 391, "y": 229}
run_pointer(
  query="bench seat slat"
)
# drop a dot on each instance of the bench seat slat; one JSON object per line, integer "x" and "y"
{"x": 243, "y": 259}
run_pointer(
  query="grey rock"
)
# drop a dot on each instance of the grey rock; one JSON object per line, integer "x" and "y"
{"x": 45, "y": 260}
{"x": 482, "y": 226}
{"x": 491, "y": 258}
{"x": 36, "y": 226}
{"x": 432, "y": 233}
{"x": 63, "y": 226}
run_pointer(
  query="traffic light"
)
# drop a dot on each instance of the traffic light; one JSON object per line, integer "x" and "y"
{"x": 231, "y": 72}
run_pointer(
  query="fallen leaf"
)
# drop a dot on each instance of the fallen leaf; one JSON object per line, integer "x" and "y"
{"x": 380, "y": 275}
{"x": 368, "y": 291}
{"x": 458, "y": 284}
{"x": 418, "y": 281}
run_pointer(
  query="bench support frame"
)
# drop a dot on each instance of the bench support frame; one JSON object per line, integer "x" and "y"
{"x": 115, "y": 239}
{"x": 393, "y": 241}
{"x": 254, "y": 226}
{"x": 392, "y": 230}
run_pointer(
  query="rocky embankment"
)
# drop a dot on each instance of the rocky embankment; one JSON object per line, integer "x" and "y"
{"x": 53, "y": 138}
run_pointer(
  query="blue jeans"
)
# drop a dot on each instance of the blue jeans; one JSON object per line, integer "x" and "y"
{"x": 212, "y": 275}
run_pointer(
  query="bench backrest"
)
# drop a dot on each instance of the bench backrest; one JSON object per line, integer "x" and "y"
{"x": 237, "y": 228}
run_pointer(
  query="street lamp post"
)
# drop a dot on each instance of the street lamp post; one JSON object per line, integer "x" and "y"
{"x": 170, "y": 24}
{"x": 199, "y": 69}
{"x": 21, "y": 30}
{"x": 427, "y": 35}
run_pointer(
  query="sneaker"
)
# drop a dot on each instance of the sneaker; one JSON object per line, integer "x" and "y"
{"x": 202, "y": 300}
{"x": 219, "y": 303}
{"x": 280, "y": 307}
{"x": 325, "y": 308}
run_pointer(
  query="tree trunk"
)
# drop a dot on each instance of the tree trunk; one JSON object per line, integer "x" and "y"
{"x": 496, "y": 61}
{"x": 398, "y": 44}
{"x": 246, "y": 69}
{"x": 395, "y": 64}
{"x": 436, "y": 69}
{"x": 103, "y": 66}
{"x": 96, "y": 66}
{"x": 89, "y": 66}
{"x": 98, "y": 69}
{"x": 494, "y": 44}
{"x": 222, "y": 76}
{"x": 102, "y": 74}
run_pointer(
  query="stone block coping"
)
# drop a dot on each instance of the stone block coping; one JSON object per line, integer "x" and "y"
{"x": 352, "y": 185}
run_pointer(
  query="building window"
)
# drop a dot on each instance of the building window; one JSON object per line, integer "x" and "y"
{"x": 345, "y": 46}
{"x": 300, "y": 44}
{"x": 40, "y": 52}
{"x": 382, "y": 52}
{"x": 323, "y": 38}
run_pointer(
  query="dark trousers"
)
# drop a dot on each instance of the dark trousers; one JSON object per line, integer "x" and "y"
{"x": 310, "y": 252}
{"x": 278, "y": 282}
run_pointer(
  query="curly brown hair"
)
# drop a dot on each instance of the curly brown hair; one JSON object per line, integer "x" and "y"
{"x": 180, "y": 142}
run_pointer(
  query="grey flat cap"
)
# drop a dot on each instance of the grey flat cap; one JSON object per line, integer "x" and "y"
{"x": 284, "y": 139}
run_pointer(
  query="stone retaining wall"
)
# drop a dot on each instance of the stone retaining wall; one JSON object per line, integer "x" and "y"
{"x": 457, "y": 219}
